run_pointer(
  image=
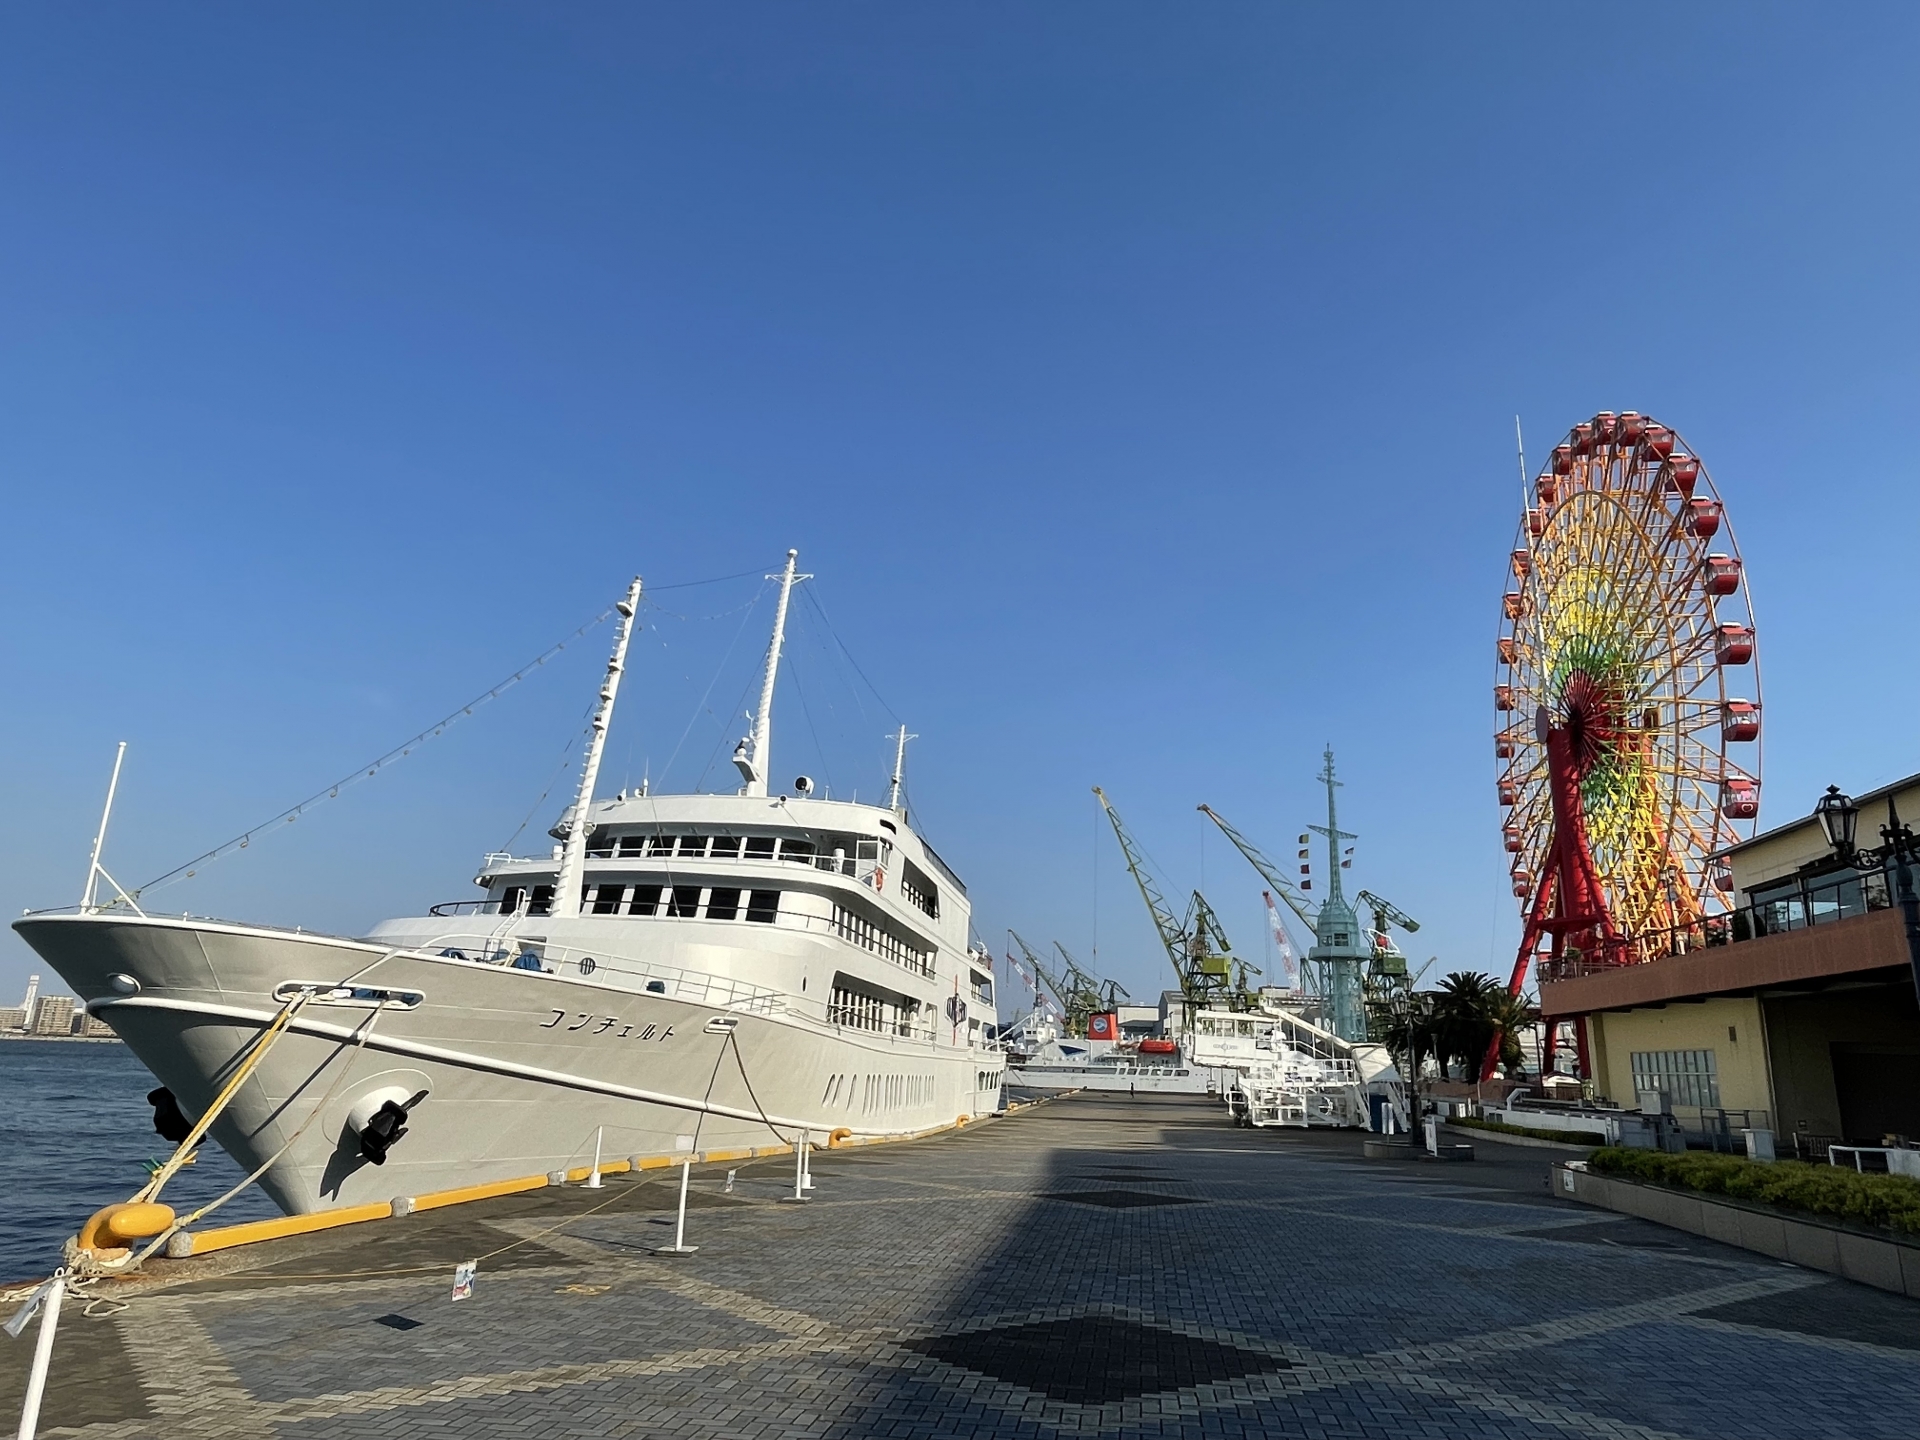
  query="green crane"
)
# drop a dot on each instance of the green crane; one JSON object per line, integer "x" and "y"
{"x": 1108, "y": 993}
{"x": 1078, "y": 993}
{"x": 1206, "y": 975}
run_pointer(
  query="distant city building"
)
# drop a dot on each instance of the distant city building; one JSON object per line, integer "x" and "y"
{"x": 53, "y": 1015}
{"x": 13, "y": 1018}
{"x": 93, "y": 1026}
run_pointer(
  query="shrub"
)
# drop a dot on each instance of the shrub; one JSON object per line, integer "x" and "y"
{"x": 1563, "y": 1137}
{"x": 1887, "y": 1202}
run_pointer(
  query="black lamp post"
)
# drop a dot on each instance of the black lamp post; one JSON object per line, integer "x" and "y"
{"x": 1840, "y": 818}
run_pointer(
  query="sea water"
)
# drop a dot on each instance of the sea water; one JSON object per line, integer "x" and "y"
{"x": 76, "y": 1133}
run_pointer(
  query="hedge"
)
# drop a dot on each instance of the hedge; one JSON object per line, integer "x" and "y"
{"x": 1564, "y": 1137}
{"x": 1887, "y": 1202}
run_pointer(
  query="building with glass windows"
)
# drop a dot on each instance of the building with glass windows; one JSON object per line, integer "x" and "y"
{"x": 1795, "y": 1013}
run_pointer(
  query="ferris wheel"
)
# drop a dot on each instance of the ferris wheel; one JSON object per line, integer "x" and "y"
{"x": 1627, "y": 701}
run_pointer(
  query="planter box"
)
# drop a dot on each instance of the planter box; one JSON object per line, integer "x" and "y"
{"x": 1882, "y": 1261}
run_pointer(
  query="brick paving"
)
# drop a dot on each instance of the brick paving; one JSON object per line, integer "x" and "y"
{"x": 1095, "y": 1266}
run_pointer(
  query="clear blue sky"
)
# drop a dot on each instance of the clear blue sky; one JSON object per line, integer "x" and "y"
{"x": 1138, "y": 380}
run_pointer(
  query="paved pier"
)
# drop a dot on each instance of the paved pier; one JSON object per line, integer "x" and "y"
{"x": 1095, "y": 1266}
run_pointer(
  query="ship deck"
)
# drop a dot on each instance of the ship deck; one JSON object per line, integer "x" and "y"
{"x": 1093, "y": 1265}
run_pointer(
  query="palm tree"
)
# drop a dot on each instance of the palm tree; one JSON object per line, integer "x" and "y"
{"x": 1464, "y": 1020}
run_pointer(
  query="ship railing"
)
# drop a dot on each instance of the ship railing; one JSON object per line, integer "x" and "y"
{"x": 699, "y": 986}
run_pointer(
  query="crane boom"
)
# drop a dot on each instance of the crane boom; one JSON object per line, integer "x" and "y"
{"x": 1268, "y": 871}
{"x": 1385, "y": 912}
{"x": 1040, "y": 970}
{"x": 1172, "y": 934}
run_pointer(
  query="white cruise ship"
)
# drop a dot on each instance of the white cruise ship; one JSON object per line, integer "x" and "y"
{"x": 689, "y": 971}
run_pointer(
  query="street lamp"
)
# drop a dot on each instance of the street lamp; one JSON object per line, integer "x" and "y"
{"x": 1839, "y": 817}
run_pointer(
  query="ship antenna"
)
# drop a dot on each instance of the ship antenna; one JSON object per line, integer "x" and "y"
{"x": 899, "y": 767}
{"x": 566, "y": 886}
{"x": 751, "y": 753}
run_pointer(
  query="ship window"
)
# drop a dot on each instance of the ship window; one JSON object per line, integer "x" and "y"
{"x": 800, "y": 850}
{"x": 763, "y": 905}
{"x": 726, "y": 847}
{"x": 920, "y": 891}
{"x": 606, "y": 900}
{"x": 599, "y": 844}
{"x": 632, "y": 845}
{"x": 759, "y": 847}
{"x": 867, "y": 849}
{"x": 659, "y": 844}
{"x": 646, "y": 900}
{"x": 510, "y": 899}
{"x": 723, "y": 904}
{"x": 542, "y": 902}
{"x": 693, "y": 847}
{"x": 684, "y": 900}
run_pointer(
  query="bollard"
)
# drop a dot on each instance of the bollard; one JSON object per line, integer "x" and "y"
{"x": 680, "y": 1246}
{"x": 42, "y": 1357}
{"x": 806, "y": 1160}
{"x": 593, "y": 1180}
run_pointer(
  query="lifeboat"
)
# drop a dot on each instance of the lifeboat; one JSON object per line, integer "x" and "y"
{"x": 1510, "y": 837}
{"x": 1562, "y": 465}
{"x": 1514, "y": 605}
{"x": 1720, "y": 574}
{"x": 1733, "y": 644}
{"x": 1703, "y": 518}
{"x": 1683, "y": 473}
{"x": 1503, "y": 697}
{"x": 1739, "y": 799}
{"x": 1522, "y": 563}
{"x": 1659, "y": 440}
{"x": 1158, "y": 1047}
{"x": 1740, "y": 720}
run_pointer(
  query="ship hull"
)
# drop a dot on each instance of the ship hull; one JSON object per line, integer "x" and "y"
{"x": 524, "y": 1072}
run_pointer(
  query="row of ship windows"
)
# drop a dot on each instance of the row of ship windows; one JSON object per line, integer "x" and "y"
{"x": 843, "y": 859}
{"x": 859, "y": 1011}
{"x": 878, "y": 1092}
{"x": 685, "y": 901}
{"x": 859, "y": 930}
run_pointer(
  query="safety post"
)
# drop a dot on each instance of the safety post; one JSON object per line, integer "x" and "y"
{"x": 806, "y": 1160}
{"x": 42, "y": 1357}
{"x": 680, "y": 1246}
{"x": 800, "y": 1180}
{"x": 593, "y": 1180}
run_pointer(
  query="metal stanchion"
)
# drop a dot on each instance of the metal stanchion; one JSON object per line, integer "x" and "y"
{"x": 806, "y": 1160}
{"x": 593, "y": 1180}
{"x": 42, "y": 1357}
{"x": 680, "y": 1246}
{"x": 800, "y": 1180}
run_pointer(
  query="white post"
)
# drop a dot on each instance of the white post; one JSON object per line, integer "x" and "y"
{"x": 680, "y": 1246}
{"x": 42, "y": 1354}
{"x": 751, "y": 755}
{"x": 566, "y": 885}
{"x": 593, "y": 1180}
{"x": 100, "y": 835}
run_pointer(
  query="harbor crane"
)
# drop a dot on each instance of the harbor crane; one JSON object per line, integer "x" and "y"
{"x": 1079, "y": 994}
{"x": 1109, "y": 993}
{"x": 1206, "y": 975}
{"x": 1389, "y": 962}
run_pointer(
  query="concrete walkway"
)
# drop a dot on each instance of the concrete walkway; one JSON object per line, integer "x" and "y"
{"x": 1094, "y": 1266}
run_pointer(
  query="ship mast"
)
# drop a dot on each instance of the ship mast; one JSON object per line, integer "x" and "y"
{"x": 566, "y": 887}
{"x": 899, "y": 767}
{"x": 751, "y": 753}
